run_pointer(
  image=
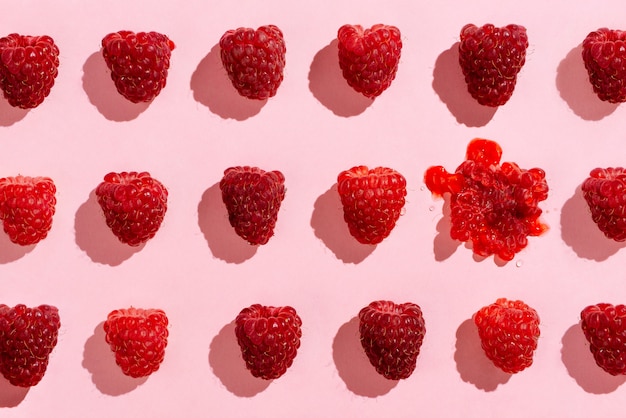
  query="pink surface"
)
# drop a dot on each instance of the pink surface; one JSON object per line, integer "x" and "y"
{"x": 202, "y": 275}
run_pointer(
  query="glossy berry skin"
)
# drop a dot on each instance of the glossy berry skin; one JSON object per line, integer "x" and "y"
{"x": 269, "y": 338}
{"x": 28, "y": 67}
{"x": 491, "y": 58}
{"x": 494, "y": 206}
{"x": 369, "y": 57}
{"x": 134, "y": 205}
{"x": 509, "y": 332}
{"x": 604, "y": 55}
{"x": 254, "y": 60}
{"x": 605, "y": 193}
{"x": 604, "y": 327}
{"x": 27, "y": 206}
{"x": 138, "y": 338}
{"x": 139, "y": 63}
{"x": 392, "y": 335}
{"x": 253, "y": 198}
{"x": 27, "y": 337}
{"x": 372, "y": 201}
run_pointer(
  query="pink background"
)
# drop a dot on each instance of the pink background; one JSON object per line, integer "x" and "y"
{"x": 202, "y": 275}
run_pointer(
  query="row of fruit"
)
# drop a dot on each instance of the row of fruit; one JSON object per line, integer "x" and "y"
{"x": 391, "y": 335}
{"x": 494, "y": 206}
{"x": 490, "y": 58}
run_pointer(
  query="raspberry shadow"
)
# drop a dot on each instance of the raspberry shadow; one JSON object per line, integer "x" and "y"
{"x": 212, "y": 88}
{"x": 103, "y": 94}
{"x": 471, "y": 362}
{"x": 329, "y": 226}
{"x": 223, "y": 241}
{"x": 450, "y": 86}
{"x": 228, "y": 365}
{"x": 443, "y": 245}
{"x": 354, "y": 367}
{"x": 11, "y": 396}
{"x": 330, "y": 88}
{"x": 99, "y": 361}
{"x": 582, "y": 367}
{"x": 573, "y": 84}
{"x": 10, "y": 115}
{"x": 580, "y": 232}
{"x": 94, "y": 237}
{"x": 10, "y": 251}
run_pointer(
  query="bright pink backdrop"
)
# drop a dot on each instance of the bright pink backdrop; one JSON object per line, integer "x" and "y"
{"x": 202, "y": 275}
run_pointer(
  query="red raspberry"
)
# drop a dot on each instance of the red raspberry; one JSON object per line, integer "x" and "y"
{"x": 28, "y": 67}
{"x": 134, "y": 205}
{"x": 138, "y": 62}
{"x": 604, "y": 55}
{"x": 27, "y": 337}
{"x": 138, "y": 338}
{"x": 605, "y": 193}
{"x": 491, "y": 58}
{"x": 508, "y": 331}
{"x": 254, "y": 60}
{"x": 369, "y": 58}
{"x": 493, "y": 205}
{"x": 604, "y": 326}
{"x": 392, "y": 335}
{"x": 372, "y": 201}
{"x": 253, "y": 197}
{"x": 27, "y": 205}
{"x": 269, "y": 338}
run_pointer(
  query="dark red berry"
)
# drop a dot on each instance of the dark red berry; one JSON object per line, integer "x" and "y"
{"x": 604, "y": 326}
{"x": 392, "y": 335}
{"x": 253, "y": 197}
{"x": 491, "y": 58}
{"x": 254, "y": 60}
{"x": 604, "y": 55}
{"x": 139, "y": 63}
{"x": 605, "y": 193}
{"x": 28, "y": 68}
{"x": 269, "y": 338}
{"x": 27, "y": 337}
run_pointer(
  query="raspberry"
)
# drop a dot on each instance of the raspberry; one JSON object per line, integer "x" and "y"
{"x": 28, "y": 68}
{"x": 490, "y": 58}
{"x": 605, "y": 193}
{"x": 604, "y": 326}
{"x": 27, "y": 337}
{"x": 493, "y": 205}
{"x": 27, "y": 205}
{"x": 508, "y": 331}
{"x": 138, "y": 338}
{"x": 134, "y": 205}
{"x": 138, "y": 62}
{"x": 253, "y": 197}
{"x": 269, "y": 338}
{"x": 369, "y": 58}
{"x": 392, "y": 335}
{"x": 604, "y": 55}
{"x": 372, "y": 201}
{"x": 254, "y": 60}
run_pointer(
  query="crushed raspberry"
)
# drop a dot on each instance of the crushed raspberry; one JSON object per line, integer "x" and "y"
{"x": 494, "y": 206}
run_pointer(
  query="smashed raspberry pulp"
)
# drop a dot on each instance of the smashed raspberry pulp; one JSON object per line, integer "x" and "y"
{"x": 494, "y": 206}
